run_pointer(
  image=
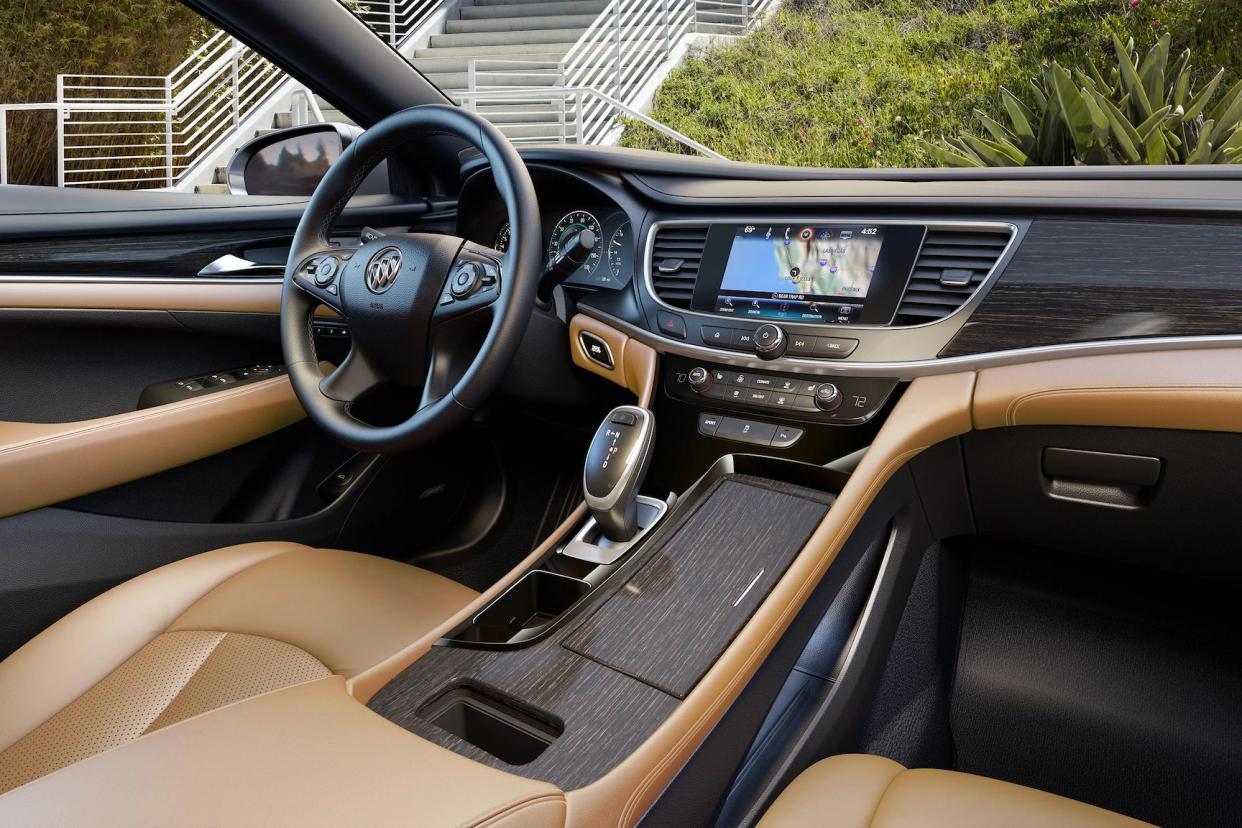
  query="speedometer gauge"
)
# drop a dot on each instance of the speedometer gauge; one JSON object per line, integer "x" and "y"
{"x": 573, "y": 223}
{"x": 617, "y": 247}
{"x": 502, "y": 238}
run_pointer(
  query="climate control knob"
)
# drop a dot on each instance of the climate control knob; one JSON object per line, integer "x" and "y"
{"x": 700, "y": 379}
{"x": 769, "y": 341}
{"x": 827, "y": 397}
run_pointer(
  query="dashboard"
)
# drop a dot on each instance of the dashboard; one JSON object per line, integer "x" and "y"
{"x": 809, "y": 303}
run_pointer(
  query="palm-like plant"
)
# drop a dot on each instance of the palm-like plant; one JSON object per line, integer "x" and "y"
{"x": 1140, "y": 113}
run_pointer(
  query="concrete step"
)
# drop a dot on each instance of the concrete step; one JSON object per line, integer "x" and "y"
{"x": 528, "y": 9}
{"x": 282, "y": 120}
{"x": 542, "y": 50}
{"x": 513, "y": 2}
{"x": 211, "y": 189}
{"x": 435, "y": 65}
{"x": 509, "y": 38}
{"x": 447, "y": 81}
{"x": 520, "y": 24}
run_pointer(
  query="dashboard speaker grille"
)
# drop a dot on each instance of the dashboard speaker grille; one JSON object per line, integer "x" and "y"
{"x": 675, "y": 257}
{"x": 950, "y": 268}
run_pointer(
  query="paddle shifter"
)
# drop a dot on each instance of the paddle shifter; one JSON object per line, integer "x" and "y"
{"x": 615, "y": 467}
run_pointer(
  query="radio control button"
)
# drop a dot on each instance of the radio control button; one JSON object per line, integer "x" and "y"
{"x": 720, "y": 337}
{"x": 800, "y": 345}
{"x": 743, "y": 339}
{"x": 835, "y": 347}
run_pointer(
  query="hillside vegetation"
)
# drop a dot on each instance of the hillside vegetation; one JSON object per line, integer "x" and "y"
{"x": 863, "y": 83}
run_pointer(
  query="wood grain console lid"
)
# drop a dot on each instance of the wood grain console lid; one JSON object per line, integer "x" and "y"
{"x": 670, "y": 623}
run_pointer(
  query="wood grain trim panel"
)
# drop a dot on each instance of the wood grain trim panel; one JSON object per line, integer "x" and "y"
{"x": 1199, "y": 390}
{"x": 634, "y": 362}
{"x": 41, "y": 464}
{"x": 933, "y": 409}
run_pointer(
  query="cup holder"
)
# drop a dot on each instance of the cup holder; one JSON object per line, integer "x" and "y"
{"x": 529, "y": 605}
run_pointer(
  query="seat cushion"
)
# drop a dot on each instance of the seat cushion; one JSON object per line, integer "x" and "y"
{"x": 202, "y": 633}
{"x": 858, "y": 791}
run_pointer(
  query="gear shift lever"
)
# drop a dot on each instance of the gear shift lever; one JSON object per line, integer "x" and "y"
{"x": 615, "y": 467}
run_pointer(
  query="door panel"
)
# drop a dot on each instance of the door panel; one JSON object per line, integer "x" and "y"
{"x": 100, "y": 298}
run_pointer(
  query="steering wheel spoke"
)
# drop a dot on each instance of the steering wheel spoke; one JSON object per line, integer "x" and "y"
{"x": 352, "y": 378}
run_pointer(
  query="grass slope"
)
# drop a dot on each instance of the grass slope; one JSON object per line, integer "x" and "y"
{"x": 861, "y": 83}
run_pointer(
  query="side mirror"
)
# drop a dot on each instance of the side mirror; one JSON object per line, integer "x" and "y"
{"x": 291, "y": 162}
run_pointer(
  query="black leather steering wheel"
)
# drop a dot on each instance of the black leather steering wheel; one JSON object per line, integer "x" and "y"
{"x": 404, "y": 294}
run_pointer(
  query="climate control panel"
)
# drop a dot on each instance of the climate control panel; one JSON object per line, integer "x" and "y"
{"x": 835, "y": 400}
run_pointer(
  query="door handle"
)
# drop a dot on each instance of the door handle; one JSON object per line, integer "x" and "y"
{"x": 230, "y": 266}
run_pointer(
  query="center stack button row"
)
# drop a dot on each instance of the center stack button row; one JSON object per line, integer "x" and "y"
{"x": 748, "y": 431}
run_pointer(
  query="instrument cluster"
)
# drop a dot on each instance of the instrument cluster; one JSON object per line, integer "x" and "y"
{"x": 610, "y": 264}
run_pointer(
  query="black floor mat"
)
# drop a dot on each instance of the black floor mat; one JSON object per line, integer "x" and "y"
{"x": 1115, "y": 686}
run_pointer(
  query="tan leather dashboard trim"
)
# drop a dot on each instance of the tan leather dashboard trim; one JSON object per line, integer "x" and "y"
{"x": 933, "y": 409}
{"x": 1199, "y": 390}
{"x": 41, "y": 464}
{"x": 634, "y": 362}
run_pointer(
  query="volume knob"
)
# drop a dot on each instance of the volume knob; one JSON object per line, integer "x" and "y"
{"x": 769, "y": 341}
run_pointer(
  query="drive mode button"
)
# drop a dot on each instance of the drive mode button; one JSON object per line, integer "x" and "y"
{"x": 746, "y": 431}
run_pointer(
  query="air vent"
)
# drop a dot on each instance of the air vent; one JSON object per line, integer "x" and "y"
{"x": 675, "y": 258}
{"x": 951, "y": 266}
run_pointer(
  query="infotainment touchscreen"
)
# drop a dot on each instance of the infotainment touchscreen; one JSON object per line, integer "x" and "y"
{"x": 807, "y": 272}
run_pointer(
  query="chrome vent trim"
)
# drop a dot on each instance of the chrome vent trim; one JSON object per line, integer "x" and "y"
{"x": 952, "y": 265}
{"x": 676, "y": 252}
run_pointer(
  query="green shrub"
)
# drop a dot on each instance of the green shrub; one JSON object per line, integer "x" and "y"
{"x": 862, "y": 83}
{"x": 1140, "y": 113}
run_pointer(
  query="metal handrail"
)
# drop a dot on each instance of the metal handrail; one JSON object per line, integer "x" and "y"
{"x": 579, "y": 94}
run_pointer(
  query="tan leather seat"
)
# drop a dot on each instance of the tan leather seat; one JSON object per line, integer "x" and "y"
{"x": 857, "y": 791}
{"x": 203, "y": 633}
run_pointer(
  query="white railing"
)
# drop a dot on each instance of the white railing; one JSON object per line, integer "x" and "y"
{"x": 149, "y": 131}
{"x": 571, "y": 100}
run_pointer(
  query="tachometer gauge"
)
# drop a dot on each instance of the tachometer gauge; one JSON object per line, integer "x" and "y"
{"x": 618, "y": 245}
{"x": 502, "y": 239}
{"x": 571, "y": 224}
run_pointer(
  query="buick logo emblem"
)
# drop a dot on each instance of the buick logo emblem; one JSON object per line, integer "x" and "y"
{"x": 383, "y": 269}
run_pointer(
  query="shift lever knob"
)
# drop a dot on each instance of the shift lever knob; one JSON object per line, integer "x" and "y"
{"x": 615, "y": 467}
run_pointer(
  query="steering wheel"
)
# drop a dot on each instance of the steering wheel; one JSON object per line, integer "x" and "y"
{"x": 402, "y": 294}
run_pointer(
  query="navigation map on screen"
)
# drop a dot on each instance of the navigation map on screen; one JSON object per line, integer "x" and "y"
{"x": 801, "y": 262}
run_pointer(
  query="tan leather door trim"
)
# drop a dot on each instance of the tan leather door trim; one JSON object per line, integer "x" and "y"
{"x": 41, "y": 464}
{"x": 114, "y": 294}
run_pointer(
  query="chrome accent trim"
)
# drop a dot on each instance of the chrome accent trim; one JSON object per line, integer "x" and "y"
{"x": 236, "y": 266}
{"x": 929, "y": 224}
{"x": 582, "y": 550}
{"x": 920, "y": 367}
{"x": 141, "y": 280}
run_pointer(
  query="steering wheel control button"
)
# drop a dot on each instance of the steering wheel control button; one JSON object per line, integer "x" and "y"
{"x": 708, "y": 423}
{"x": 770, "y": 341}
{"x": 324, "y": 270}
{"x": 835, "y": 347}
{"x": 671, "y": 324}
{"x": 466, "y": 279}
{"x": 827, "y": 397}
{"x": 595, "y": 349}
{"x": 700, "y": 379}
